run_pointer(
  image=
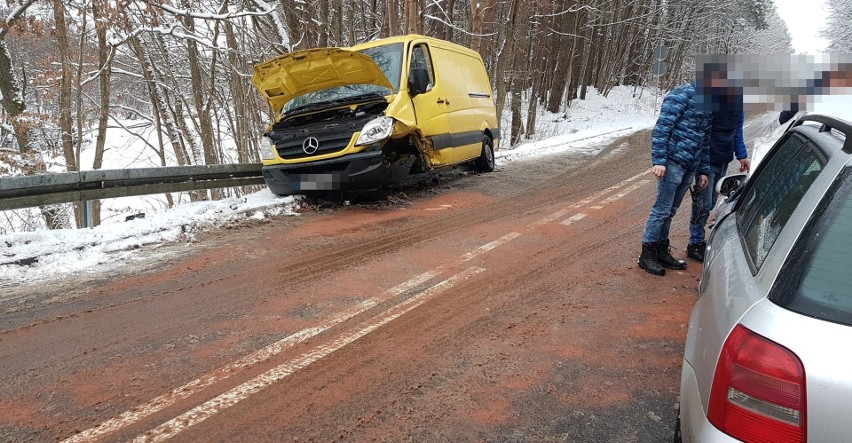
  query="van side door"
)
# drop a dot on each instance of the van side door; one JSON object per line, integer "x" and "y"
{"x": 430, "y": 108}
{"x": 458, "y": 71}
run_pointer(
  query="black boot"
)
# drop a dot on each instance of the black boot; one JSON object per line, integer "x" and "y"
{"x": 648, "y": 259}
{"x": 664, "y": 256}
{"x": 696, "y": 251}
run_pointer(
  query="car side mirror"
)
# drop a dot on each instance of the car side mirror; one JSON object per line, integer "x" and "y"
{"x": 418, "y": 81}
{"x": 731, "y": 183}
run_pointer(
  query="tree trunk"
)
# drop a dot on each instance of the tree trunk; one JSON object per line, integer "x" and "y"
{"x": 13, "y": 102}
{"x": 99, "y": 11}
{"x": 199, "y": 100}
{"x": 391, "y": 17}
{"x": 504, "y": 58}
{"x": 448, "y": 30}
{"x": 65, "y": 118}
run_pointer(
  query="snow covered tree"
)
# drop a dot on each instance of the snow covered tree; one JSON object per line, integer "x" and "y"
{"x": 838, "y": 29}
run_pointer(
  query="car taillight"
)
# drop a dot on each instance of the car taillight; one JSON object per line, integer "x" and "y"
{"x": 758, "y": 392}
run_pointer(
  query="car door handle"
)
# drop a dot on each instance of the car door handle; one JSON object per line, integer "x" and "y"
{"x": 443, "y": 102}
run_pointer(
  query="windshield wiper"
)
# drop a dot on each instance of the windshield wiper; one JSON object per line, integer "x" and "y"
{"x": 349, "y": 99}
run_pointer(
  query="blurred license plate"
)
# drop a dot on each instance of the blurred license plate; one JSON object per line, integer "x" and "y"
{"x": 317, "y": 182}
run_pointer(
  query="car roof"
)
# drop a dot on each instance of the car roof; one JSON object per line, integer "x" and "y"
{"x": 411, "y": 37}
{"x": 828, "y": 132}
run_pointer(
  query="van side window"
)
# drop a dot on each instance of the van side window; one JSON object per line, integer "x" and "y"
{"x": 777, "y": 191}
{"x": 420, "y": 59}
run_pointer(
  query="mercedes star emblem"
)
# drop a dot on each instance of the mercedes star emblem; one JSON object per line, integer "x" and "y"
{"x": 310, "y": 145}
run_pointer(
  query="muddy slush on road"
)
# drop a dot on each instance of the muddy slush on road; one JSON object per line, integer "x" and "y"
{"x": 524, "y": 320}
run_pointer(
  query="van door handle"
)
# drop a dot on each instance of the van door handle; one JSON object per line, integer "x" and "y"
{"x": 443, "y": 102}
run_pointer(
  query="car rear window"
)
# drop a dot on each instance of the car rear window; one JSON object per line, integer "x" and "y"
{"x": 817, "y": 278}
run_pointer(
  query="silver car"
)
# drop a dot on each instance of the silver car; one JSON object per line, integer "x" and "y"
{"x": 767, "y": 355}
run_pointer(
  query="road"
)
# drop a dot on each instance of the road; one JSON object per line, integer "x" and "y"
{"x": 502, "y": 307}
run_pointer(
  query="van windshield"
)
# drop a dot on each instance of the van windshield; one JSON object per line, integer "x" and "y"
{"x": 389, "y": 60}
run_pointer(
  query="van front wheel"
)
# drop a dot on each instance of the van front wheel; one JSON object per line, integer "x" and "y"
{"x": 485, "y": 162}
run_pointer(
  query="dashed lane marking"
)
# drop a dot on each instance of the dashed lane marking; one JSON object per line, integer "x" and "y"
{"x": 549, "y": 218}
{"x": 206, "y": 410}
{"x": 626, "y": 191}
{"x": 573, "y": 219}
{"x": 490, "y": 246}
{"x": 586, "y": 201}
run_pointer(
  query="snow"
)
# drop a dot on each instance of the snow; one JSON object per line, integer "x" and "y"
{"x": 79, "y": 251}
{"x": 590, "y": 125}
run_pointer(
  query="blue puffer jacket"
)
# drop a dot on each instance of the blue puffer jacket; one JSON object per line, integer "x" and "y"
{"x": 682, "y": 133}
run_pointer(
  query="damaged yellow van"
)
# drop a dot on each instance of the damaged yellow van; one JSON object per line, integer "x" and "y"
{"x": 360, "y": 117}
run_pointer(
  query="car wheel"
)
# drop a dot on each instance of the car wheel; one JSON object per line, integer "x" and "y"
{"x": 485, "y": 162}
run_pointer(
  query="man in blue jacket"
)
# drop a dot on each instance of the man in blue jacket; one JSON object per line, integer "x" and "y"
{"x": 680, "y": 145}
{"x": 726, "y": 140}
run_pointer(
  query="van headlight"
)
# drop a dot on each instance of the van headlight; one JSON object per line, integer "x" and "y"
{"x": 267, "y": 148}
{"x": 376, "y": 130}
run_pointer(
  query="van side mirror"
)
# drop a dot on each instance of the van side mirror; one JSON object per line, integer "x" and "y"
{"x": 731, "y": 183}
{"x": 418, "y": 81}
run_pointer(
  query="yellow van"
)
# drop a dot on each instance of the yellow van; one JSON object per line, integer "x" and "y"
{"x": 360, "y": 117}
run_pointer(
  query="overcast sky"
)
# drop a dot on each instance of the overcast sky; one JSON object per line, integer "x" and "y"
{"x": 804, "y": 19}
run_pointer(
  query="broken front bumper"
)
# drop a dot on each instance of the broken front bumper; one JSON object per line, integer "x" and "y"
{"x": 364, "y": 170}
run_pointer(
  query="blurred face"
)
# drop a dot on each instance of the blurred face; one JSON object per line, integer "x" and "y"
{"x": 840, "y": 79}
{"x": 718, "y": 80}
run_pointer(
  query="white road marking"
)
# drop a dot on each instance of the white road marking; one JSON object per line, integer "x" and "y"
{"x": 588, "y": 200}
{"x": 415, "y": 282}
{"x": 573, "y": 219}
{"x": 558, "y": 214}
{"x": 153, "y": 406}
{"x": 206, "y": 410}
{"x": 489, "y": 246}
{"x": 136, "y": 414}
{"x": 140, "y": 412}
{"x": 596, "y": 207}
{"x": 626, "y": 191}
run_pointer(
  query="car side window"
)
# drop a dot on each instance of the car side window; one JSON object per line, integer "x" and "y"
{"x": 421, "y": 59}
{"x": 775, "y": 194}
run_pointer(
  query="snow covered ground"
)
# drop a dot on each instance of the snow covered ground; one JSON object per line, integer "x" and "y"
{"x": 589, "y": 124}
{"x": 41, "y": 254}
{"x": 45, "y": 254}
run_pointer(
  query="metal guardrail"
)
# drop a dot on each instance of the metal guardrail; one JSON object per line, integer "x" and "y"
{"x": 49, "y": 189}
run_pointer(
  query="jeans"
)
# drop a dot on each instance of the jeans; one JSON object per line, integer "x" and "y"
{"x": 706, "y": 201}
{"x": 670, "y": 192}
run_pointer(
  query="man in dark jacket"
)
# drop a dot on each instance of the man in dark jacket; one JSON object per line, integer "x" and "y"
{"x": 679, "y": 151}
{"x": 726, "y": 140}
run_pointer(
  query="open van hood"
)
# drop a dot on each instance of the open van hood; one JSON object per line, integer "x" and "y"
{"x": 288, "y": 76}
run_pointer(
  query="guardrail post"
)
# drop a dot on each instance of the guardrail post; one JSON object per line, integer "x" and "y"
{"x": 88, "y": 214}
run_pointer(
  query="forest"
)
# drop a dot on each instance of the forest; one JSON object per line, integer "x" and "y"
{"x": 181, "y": 69}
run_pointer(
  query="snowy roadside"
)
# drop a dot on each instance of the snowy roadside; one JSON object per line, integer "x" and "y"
{"x": 589, "y": 125}
{"x": 44, "y": 254}
{"x": 29, "y": 256}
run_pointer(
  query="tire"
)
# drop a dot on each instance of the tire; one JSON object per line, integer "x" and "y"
{"x": 485, "y": 162}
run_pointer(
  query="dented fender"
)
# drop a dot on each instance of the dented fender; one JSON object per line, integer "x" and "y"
{"x": 405, "y": 125}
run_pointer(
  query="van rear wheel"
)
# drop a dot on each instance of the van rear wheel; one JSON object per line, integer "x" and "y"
{"x": 485, "y": 162}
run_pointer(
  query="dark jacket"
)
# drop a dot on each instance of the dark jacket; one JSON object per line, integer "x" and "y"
{"x": 726, "y": 138}
{"x": 682, "y": 132}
